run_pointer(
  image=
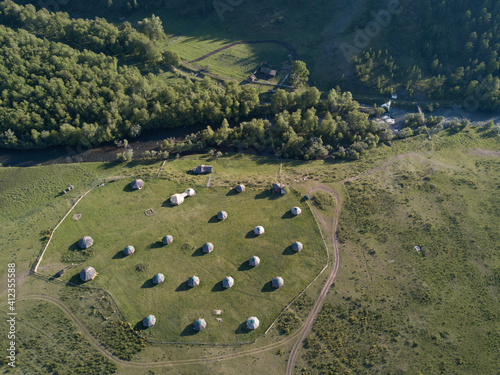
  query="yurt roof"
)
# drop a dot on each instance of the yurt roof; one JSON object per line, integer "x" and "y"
{"x": 254, "y": 261}
{"x": 167, "y": 239}
{"x": 88, "y": 273}
{"x": 221, "y": 215}
{"x": 158, "y": 278}
{"x": 297, "y": 246}
{"x": 129, "y": 250}
{"x": 253, "y": 323}
{"x": 149, "y": 321}
{"x": 208, "y": 247}
{"x": 193, "y": 281}
{"x": 296, "y": 210}
{"x": 278, "y": 282}
{"x": 137, "y": 184}
{"x": 227, "y": 282}
{"x": 258, "y": 229}
{"x": 199, "y": 324}
{"x": 85, "y": 242}
{"x": 240, "y": 188}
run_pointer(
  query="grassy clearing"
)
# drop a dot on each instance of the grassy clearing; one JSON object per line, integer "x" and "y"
{"x": 397, "y": 309}
{"x": 114, "y": 217}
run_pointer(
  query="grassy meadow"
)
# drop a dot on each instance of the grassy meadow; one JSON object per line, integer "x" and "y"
{"x": 115, "y": 217}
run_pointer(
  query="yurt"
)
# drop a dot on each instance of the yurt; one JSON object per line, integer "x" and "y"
{"x": 190, "y": 192}
{"x": 193, "y": 281}
{"x": 240, "y": 188}
{"x": 168, "y": 239}
{"x": 227, "y": 282}
{"x": 158, "y": 278}
{"x": 208, "y": 247}
{"x": 177, "y": 199}
{"x": 296, "y": 211}
{"x": 129, "y": 250}
{"x": 297, "y": 246}
{"x": 258, "y": 230}
{"x": 222, "y": 215}
{"x": 88, "y": 273}
{"x": 199, "y": 324}
{"x": 137, "y": 184}
{"x": 253, "y": 323}
{"x": 149, "y": 321}
{"x": 85, "y": 242}
{"x": 254, "y": 261}
{"x": 278, "y": 282}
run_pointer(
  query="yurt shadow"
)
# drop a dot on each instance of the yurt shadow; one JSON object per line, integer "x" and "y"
{"x": 287, "y": 215}
{"x": 251, "y": 234}
{"x": 265, "y": 194}
{"x": 242, "y": 329}
{"x": 119, "y": 255}
{"x": 74, "y": 247}
{"x": 183, "y": 287}
{"x": 128, "y": 188}
{"x": 167, "y": 203}
{"x": 156, "y": 245}
{"x": 198, "y": 252}
{"x": 289, "y": 251}
{"x": 245, "y": 266}
{"x": 189, "y": 330}
{"x": 75, "y": 280}
{"x": 231, "y": 192}
{"x": 218, "y": 287}
{"x": 268, "y": 287}
{"x": 148, "y": 284}
{"x": 213, "y": 219}
{"x": 139, "y": 326}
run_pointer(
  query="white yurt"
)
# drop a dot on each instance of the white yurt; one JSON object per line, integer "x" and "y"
{"x": 253, "y": 323}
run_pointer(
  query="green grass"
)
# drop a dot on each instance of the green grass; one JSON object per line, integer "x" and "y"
{"x": 115, "y": 218}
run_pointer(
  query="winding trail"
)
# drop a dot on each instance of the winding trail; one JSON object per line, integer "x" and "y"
{"x": 297, "y": 336}
{"x": 326, "y": 288}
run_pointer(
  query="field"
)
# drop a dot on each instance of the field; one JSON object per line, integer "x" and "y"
{"x": 115, "y": 217}
{"x": 392, "y": 309}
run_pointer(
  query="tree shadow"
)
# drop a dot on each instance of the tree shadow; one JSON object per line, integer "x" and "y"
{"x": 288, "y": 215}
{"x": 139, "y": 326}
{"x": 183, "y": 287}
{"x": 189, "y": 330}
{"x": 75, "y": 280}
{"x": 268, "y": 287}
{"x": 119, "y": 255}
{"x": 218, "y": 287}
{"x": 156, "y": 245}
{"x": 288, "y": 251}
{"x": 214, "y": 219}
{"x": 198, "y": 252}
{"x": 232, "y": 192}
{"x": 242, "y": 329}
{"x": 148, "y": 284}
{"x": 251, "y": 234}
{"x": 245, "y": 266}
{"x": 128, "y": 188}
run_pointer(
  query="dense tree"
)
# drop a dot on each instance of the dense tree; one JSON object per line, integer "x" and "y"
{"x": 300, "y": 73}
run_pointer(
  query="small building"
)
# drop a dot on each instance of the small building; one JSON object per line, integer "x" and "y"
{"x": 278, "y": 188}
{"x": 88, "y": 273}
{"x": 222, "y": 215}
{"x": 177, "y": 199}
{"x": 137, "y": 184}
{"x": 203, "y": 169}
{"x": 129, "y": 250}
{"x": 254, "y": 261}
{"x": 258, "y": 230}
{"x": 193, "y": 281}
{"x": 227, "y": 282}
{"x": 297, "y": 246}
{"x": 168, "y": 239}
{"x": 240, "y": 188}
{"x": 252, "y": 78}
{"x": 149, "y": 321}
{"x": 199, "y": 324}
{"x": 208, "y": 247}
{"x": 85, "y": 242}
{"x": 278, "y": 282}
{"x": 158, "y": 278}
{"x": 268, "y": 71}
{"x": 296, "y": 211}
{"x": 253, "y": 323}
